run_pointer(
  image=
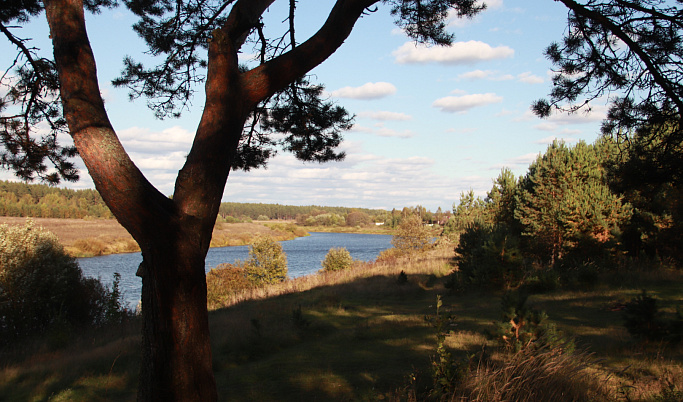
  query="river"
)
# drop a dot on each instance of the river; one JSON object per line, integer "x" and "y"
{"x": 304, "y": 256}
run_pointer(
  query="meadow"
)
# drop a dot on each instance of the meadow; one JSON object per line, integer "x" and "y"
{"x": 95, "y": 237}
{"x": 368, "y": 333}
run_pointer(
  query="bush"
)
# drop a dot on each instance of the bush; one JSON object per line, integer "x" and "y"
{"x": 522, "y": 327}
{"x": 490, "y": 256}
{"x": 412, "y": 236}
{"x": 337, "y": 259}
{"x": 223, "y": 281}
{"x": 267, "y": 263}
{"x": 42, "y": 286}
{"x": 644, "y": 321}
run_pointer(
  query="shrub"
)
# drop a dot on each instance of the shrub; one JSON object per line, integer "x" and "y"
{"x": 267, "y": 263}
{"x": 412, "y": 236}
{"x": 337, "y": 259}
{"x": 522, "y": 327}
{"x": 490, "y": 256}
{"x": 224, "y": 281}
{"x": 41, "y": 285}
{"x": 644, "y": 321}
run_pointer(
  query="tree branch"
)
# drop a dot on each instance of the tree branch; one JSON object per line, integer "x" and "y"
{"x": 271, "y": 77}
{"x": 131, "y": 198}
{"x": 632, "y": 45}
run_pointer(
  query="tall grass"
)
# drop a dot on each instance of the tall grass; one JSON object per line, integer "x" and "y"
{"x": 435, "y": 262}
{"x": 361, "y": 334}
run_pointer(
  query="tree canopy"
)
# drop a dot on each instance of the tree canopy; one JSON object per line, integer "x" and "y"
{"x": 629, "y": 52}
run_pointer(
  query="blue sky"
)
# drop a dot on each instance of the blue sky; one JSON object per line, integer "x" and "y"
{"x": 430, "y": 122}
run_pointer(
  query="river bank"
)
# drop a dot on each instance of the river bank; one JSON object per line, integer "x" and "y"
{"x": 95, "y": 237}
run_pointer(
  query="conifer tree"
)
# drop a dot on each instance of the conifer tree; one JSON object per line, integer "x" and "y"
{"x": 563, "y": 199}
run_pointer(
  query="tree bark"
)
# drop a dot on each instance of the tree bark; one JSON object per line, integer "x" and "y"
{"x": 174, "y": 235}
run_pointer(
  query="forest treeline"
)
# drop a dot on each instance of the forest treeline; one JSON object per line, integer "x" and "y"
{"x": 43, "y": 201}
{"x": 289, "y": 212}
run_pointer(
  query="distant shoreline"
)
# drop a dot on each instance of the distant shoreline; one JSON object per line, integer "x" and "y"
{"x": 95, "y": 237}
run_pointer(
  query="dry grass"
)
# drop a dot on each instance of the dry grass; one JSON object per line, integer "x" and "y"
{"x": 433, "y": 263}
{"x": 93, "y": 237}
{"x": 360, "y": 334}
{"x": 544, "y": 374}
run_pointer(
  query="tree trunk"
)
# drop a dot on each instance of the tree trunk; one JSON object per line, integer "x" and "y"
{"x": 174, "y": 235}
{"x": 176, "y": 347}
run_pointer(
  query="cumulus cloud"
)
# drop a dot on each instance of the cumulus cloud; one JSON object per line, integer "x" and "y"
{"x": 529, "y": 78}
{"x": 382, "y": 131}
{"x": 137, "y": 139}
{"x": 459, "y": 53}
{"x": 385, "y": 115}
{"x": 370, "y": 90}
{"x": 492, "y": 4}
{"x": 485, "y": 75}
{"x": 594, "y": 113}
{"x": 463, "y": 103}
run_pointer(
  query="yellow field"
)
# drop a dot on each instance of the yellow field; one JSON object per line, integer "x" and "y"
{"x": 91, "y": 237}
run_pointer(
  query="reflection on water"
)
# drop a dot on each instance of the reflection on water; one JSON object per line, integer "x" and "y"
{"x": 304, "y": 255}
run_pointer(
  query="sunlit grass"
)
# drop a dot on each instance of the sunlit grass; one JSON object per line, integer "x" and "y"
{"x": 360, "y": 334}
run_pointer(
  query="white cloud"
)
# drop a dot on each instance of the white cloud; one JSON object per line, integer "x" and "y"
{"x": 466, "y": 102}
{"x": 137, "y": 139}
{"x": 486, "y": 74}
{"x": 370, "y": 90}
{"x": 382, "y": 131}
{"x": 492, "y": 4}
{"x": 549, "y": 140}
{"x": 594, "y": 113}
{"x": 529, "y": 78}
{"x": 459, "y": 53}
{"x": 525, "y": 159}
{"x": 457, "y": 22}
{"x": 385, "y": 115}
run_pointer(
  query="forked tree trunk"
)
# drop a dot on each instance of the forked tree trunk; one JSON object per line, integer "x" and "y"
{"x": 176, "y": 362}
{"x": 174, "y": 235}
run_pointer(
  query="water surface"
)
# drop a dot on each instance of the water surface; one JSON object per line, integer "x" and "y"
{"x": 304, "y": 256}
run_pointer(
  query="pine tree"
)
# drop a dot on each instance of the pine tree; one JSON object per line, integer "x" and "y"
{"x": 564, "y": 199}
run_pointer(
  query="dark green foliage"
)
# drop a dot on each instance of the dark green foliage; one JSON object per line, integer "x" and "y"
{"x": 563, "y": 201}
{"x": 542, "y": 280}
{"x": 645, "y": 322}
{"x": 489, "y": 256}
{"x": 522, "y": 327}
{"x": 469, "y": 210}
{"x": 637, "y": 172}
{"x": 425, "y": 21}
{"x": 42, "y": 287}
{"x": 631, "y": 52}
{"x": 312, "y": 126}
{"x": 445, "y": 371}
{"x": 402, "y": 278}
{"x": 289, "y": 212}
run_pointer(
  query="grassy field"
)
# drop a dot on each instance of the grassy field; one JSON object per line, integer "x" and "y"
{"x": 358, "y": 334}
{"x": 92, "y": 237}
